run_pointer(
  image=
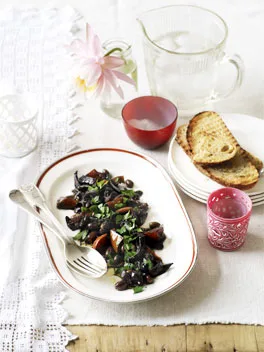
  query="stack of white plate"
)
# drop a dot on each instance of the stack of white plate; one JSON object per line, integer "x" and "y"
{"x": 248, "y": 130}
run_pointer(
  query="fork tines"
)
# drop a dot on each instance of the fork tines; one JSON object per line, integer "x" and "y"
{"x": 86, "y": 265}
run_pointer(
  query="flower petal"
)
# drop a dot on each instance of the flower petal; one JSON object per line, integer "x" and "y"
{"x": 100, "y": 87}
{"x": 89, "y": 61}
{"x": 93, "y": 75}
{"x": 84, "y": 70}
{"x": 78, "y": 48}
{"x": 110, "y": 77}
{"x": 112, "y": 62}
{"x": 93, "y": 42}
{"x": 124, "y": 77}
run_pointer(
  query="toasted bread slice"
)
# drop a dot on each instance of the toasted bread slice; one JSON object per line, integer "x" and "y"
{"x": 238, "y": 172}
{"x": 181, "y": 138}
{"x": 182, "y": 141}
{"x": 210, "y": 140}
{"x": 254, "y": 160}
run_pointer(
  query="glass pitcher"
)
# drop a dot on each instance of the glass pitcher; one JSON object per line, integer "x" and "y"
{"x": 184, "y": 49}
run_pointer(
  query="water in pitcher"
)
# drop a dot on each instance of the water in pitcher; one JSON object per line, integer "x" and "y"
{"x": 189, "y": 80}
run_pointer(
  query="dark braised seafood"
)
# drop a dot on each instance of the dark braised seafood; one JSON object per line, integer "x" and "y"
{"x": 109, "y": 216}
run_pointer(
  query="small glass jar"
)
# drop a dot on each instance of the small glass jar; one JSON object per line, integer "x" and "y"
{"x": 112, "y": 104}
{"x": 18, "y": 130}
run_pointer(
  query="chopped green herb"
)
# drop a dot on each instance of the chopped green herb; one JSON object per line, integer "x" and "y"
{"x": 129, "y": 238}
{"x": 132, "y": 253}
{"x": 118, "y": 271}
{"x": 127, "y": 216}
{"x": 99, "y": 216}
{"x": 148, "y": 262}
{"x": 119, "y": 205}
{"x": 105, "y": 210}
{"x": 84, "y": 234}
{"x": 101, "y": 183}
{"x": 138, "y": 289}
{"x": 80, "y": 235}
{"x": 130, "y": 225}
{"x": 84, "y": 209}
{"x": 129, "y": 255}
{"x": 92, "y": 188}
{"x": 110, "y": 258}
{"x": 101, "y": 207}
{"x": 128, "y": 192}
{"x": 94, "y": 208}
{"x": 121, "y": 230}
{"x": 110, "y": 261}
{"x": 119, "y": 218}
{"x": 128, "y": 266}
{"x": 95, "y": 200}
{"x": 127, "y": 246}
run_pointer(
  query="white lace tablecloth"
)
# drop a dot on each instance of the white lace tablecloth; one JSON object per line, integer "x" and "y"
{"x": 31, "y": 46}
{"x": 223, "y": 287}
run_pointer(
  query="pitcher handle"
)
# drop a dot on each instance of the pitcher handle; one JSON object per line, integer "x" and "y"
{"x": 236, "y": 61}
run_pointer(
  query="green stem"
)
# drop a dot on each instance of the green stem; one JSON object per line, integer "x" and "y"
{"x": 112, "y": 51}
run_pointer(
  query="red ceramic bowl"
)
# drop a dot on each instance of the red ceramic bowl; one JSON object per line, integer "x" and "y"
{"x": 149, "y": 121}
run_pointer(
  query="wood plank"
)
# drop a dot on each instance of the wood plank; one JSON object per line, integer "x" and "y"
{"x": 221, "y": 338}
{"x": 259, "y": 333}
{"x": 179, "y": 338}
{"x": 128, "y": 339}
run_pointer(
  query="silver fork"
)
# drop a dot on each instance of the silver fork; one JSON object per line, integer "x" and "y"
{"x": 34, "y": 196}
{"x": 83, "y": 260}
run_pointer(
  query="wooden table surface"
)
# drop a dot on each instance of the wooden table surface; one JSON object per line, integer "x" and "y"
{"x": 179, "y": 338}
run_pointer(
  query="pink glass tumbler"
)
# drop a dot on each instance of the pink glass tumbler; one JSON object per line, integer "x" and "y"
{"x": 228, "y": 214}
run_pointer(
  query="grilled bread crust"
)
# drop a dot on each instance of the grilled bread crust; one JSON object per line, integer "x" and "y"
{"x": 210, "y": 140}
{"x": 239, "y": 172}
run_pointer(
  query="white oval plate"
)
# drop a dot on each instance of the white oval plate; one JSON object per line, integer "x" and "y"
{"x": 201, "y": 198}
{"x": 165, "y": 204}
{"x": 247, "y": 130}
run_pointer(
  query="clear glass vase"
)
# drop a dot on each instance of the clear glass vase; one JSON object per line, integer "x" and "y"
{"x": 112, "y": 104}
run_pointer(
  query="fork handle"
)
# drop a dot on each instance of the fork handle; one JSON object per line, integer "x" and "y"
{"x": 56, "y": 223}
{"x": 26, "y": 206}
{"x": 35, "y": 198}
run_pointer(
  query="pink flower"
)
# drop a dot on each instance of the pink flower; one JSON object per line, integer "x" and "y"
{"x": 93, "y": 70}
